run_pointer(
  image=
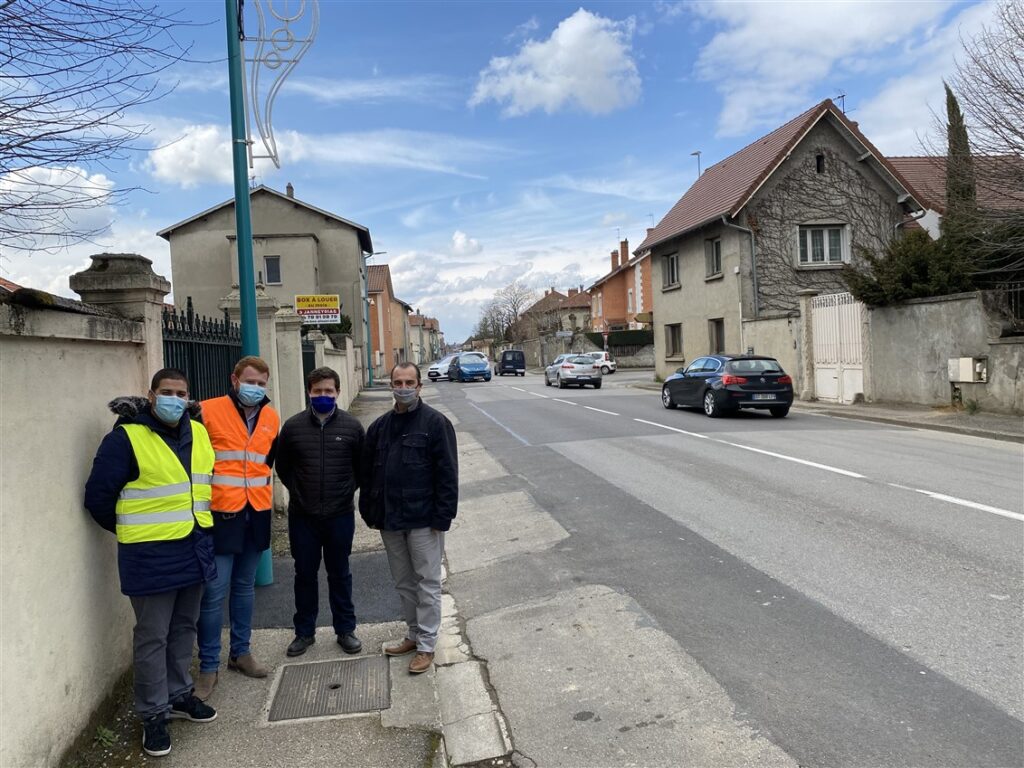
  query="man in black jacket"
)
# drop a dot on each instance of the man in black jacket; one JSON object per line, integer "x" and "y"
{"x": 410, "y": 491}
{"x": 318, "y": 455}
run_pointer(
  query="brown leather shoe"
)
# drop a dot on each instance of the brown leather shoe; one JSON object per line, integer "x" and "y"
{"x": 205, "y": 682}
{"x": 420, "y": 663}
{"x": 247, "y": 665}
{"x": 402, "y": 648}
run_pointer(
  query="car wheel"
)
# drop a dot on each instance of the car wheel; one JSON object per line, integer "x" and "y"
{"x": 598, "y": 385}
{"x": 605, "y": 370}
{"x": 547, "y": 381}
{"x": 561, "y": 384}
{"x": 711, "y": 405}
{"x": 666, "y": 398}
{"x": 779, "y": 412}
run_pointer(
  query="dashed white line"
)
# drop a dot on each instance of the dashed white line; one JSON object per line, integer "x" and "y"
{"x": 485, "y": 413}
{"x": 537, "y": 394}
{"x": 805, "y": 462}
{"x": 560, "y": 400}
{"x": 673, "y": 429}
{"x": 963, "y": 502}
{"x": 518, "y": 389}
{"x": 600, "y": 410}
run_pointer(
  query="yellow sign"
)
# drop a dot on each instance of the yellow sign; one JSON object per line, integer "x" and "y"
{"x": 319, "y": 308}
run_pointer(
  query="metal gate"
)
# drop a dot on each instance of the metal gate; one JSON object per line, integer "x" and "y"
{"x": 837, "y": 322}
{"x": 205, "y": 349}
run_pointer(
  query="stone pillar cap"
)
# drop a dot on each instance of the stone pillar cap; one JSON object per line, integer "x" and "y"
{"x": 118, "y": 272}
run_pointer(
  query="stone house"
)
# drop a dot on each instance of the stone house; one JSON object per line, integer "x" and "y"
{"x": 622, "y": 299}
{"x": 424, "y": 339}
{"x": 297, "y": 249}
{"x": 781, "y": 216}
{"x": 556, "y": 311}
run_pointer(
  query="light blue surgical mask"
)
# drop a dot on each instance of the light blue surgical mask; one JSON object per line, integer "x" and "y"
{"x": 251, "y": 394}
{"x": 169, "y": 408}
{"x": 405, "y": 396}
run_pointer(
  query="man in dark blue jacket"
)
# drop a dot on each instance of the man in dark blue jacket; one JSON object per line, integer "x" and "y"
{"x": 410, "y": 491}
{"x": 150, "y": 485}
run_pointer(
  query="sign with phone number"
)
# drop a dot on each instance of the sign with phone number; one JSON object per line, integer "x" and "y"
{"x": 318, "y": 308}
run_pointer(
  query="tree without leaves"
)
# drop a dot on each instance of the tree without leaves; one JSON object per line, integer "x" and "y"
{"x": 69, "y": 71}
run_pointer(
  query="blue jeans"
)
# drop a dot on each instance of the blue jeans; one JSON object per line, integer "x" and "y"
{"x": 237, "y": 572}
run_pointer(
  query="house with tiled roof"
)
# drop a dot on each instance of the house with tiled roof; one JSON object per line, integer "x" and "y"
{"x": 389, "y": 321}
{"x": 621, "y": 299}
{"x": 780, "y": 216}
{"x": 6, "y": 286}
{"x": 557, "y": 311}
{"x": 424, "y": 339}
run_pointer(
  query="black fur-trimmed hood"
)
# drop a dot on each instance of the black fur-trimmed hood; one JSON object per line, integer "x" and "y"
{"x": 129, "y": 407}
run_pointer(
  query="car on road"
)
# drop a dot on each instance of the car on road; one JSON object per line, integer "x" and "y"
{"x": 573, "y": 368}
{"x": 468, "y": 366}
{"x": 439, "y": 370}
{"x": 512, "y": 361}
{"x": 721, "y": 384}
{"x": 605, "y": 360}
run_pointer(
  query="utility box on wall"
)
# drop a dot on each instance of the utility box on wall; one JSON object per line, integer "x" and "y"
{"x": 968, "y": 369}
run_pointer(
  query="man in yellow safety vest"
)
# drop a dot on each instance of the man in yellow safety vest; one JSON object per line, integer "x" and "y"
{"x": 150, "y": 485}
{"x": 243, "y": 429}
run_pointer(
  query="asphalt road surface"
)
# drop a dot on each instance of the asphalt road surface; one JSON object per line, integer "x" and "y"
{"x": 855, "y": 589}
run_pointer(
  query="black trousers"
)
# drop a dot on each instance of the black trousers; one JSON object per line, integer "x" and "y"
{"x": 311, "y": 539}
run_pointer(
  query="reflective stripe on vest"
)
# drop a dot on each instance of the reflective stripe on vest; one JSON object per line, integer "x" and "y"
{"x": 163, "y": 504}
{"x": 242, "y": 474}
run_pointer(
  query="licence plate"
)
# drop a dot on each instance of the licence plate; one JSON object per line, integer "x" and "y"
{"x": 764, "y": 397}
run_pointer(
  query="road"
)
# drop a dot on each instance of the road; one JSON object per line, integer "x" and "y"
{"x": 806, "y": 591}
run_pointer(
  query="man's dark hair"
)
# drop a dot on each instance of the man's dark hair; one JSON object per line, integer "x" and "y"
{"x": 406, "y": 364}
{"x": 319, "y": 374}
{"x": 175, "y": 374}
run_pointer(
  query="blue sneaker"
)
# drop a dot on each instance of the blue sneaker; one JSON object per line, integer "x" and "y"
{"x": 188, "y": 707}
{"x": 156, "y": 739}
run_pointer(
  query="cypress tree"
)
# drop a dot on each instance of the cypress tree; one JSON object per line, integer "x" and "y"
{"x": 961, "y": 216}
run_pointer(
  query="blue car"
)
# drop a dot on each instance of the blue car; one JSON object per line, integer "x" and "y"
{"x": 721, "y": 384}
{"x": 469, "y": 366}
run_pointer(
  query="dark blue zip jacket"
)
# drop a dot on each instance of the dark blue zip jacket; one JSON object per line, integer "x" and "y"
{"x": 149, "y": 567}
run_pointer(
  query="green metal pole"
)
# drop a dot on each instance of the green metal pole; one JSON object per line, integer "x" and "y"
{"x": 240, "y": 160}
{"x": 243, "y": 217}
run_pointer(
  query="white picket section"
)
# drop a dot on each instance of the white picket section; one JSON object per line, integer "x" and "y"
{"x": 837, "y": 321}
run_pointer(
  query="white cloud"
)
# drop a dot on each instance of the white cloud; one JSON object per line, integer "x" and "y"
{"x": 417, "y": 217}
{"x": 769, "y": 58}
{"x": 611, "y": 219}
{"x": 586, "y": 64}
{"x": 464, "y": 245}
{"x": 427, "y": 89}
{"x": 190, "y": 154}
{"x": 649, "y": 186}
{"x": 524, "y": 30}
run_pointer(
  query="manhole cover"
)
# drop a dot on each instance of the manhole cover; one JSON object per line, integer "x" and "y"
{"x": 324, "y": 688}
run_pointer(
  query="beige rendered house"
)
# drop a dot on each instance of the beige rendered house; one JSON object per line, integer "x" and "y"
{"x": 780, "y": 216}
{"x": 389, "y": 322}
{"x": 297, "y": 249}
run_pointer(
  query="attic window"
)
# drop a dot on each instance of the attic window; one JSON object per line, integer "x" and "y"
{"x": 819, "y": 163}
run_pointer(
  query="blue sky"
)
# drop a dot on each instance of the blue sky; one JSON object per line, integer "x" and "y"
{"x": 483, "y": 142}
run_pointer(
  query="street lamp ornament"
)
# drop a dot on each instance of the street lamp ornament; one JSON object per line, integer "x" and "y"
{"x": 286, "y": 30}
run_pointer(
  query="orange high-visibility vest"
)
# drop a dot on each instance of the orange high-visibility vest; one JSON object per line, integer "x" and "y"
{"x": 241, "y": 473}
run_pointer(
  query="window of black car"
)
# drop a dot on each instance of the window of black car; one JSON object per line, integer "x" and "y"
{"x": 696, "y": 366}
{"x": 754, "y": 366}
{"x": 711, "y": 365}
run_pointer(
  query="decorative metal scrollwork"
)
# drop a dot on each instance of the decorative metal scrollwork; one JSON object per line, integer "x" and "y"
{"x": 281, "y": 41}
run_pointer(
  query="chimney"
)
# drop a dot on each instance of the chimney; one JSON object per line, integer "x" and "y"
{"x": 615, "y": 260}
{"x": 649, "y": 230}
{"x": 573, "y": 291}
{"x": 624, "y": 252}
{"x": 289, "y": 190}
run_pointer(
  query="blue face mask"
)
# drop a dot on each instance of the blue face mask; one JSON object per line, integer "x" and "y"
{"x": 322, "y": 403}
{"x": 251, "y": 394}
{"x": 169, "y": 408}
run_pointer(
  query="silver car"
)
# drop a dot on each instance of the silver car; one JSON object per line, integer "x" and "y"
{"x": 573, "y": 368}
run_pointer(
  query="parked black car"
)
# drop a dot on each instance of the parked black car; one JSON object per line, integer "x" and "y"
{"x": 512, "y": 361}
{"x": 723, "y": 383}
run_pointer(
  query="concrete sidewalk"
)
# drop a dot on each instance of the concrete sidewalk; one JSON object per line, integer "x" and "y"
{"x": 995, "y": 426}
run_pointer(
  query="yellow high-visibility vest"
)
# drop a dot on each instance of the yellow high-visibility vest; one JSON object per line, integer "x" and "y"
{"x": 164, "y": 503}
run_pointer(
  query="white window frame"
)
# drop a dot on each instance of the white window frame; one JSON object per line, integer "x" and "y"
{"x": 629, "y": 300}
{"x": 670, "y": 269}
{"x": 266, "y": 270}
{"x": 713, "y": 257}
{"x": 805, "y": 246}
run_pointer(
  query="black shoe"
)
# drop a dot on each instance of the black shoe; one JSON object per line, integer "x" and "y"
{"x": 188, "y": 707}
{"x": 299, "y": 645}
{"x": 350, "y": 643}
{"x": 156, "y": 739}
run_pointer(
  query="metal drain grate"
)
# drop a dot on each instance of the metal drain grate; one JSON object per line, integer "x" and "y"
{"x": 325, "y": 688}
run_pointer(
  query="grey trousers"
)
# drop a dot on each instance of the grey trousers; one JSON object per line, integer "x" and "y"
{"x": 165, "y": 632}
{"x": 415, "y": 560}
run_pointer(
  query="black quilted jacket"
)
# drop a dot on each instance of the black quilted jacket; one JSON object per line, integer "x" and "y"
{"x": 319, "y": 463}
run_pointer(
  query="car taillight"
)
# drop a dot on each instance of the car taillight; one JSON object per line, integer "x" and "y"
{"x": 567, "y": 366}
{"x": 596, "y": 366}
{"x": 785, "y": 379}
{"x": 728, "y": 379}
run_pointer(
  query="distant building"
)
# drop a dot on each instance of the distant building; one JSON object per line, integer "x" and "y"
{"x": 622, "y": 299}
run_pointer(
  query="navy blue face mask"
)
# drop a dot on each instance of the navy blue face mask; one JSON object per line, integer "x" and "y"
{"x": 322, "y": 404}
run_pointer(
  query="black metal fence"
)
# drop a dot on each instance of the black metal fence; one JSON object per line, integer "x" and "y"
{"x": 1009, "y": 299}
{"x": 204, "y": 348}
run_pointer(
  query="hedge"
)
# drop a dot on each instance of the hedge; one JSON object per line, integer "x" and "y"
{"x": 623, "y": 338}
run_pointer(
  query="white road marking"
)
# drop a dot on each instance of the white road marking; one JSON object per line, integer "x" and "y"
{"x": 537, "y": 394}
{"x": 805, "y": 462}
{"x": 560, "y": 400}
{"x": 519, "y": 389}
{"x": 600, "y": 410}
{"x": 673, "y": 429}
{"x": 963, "y": 502}
{"x": 485, "y": 413}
